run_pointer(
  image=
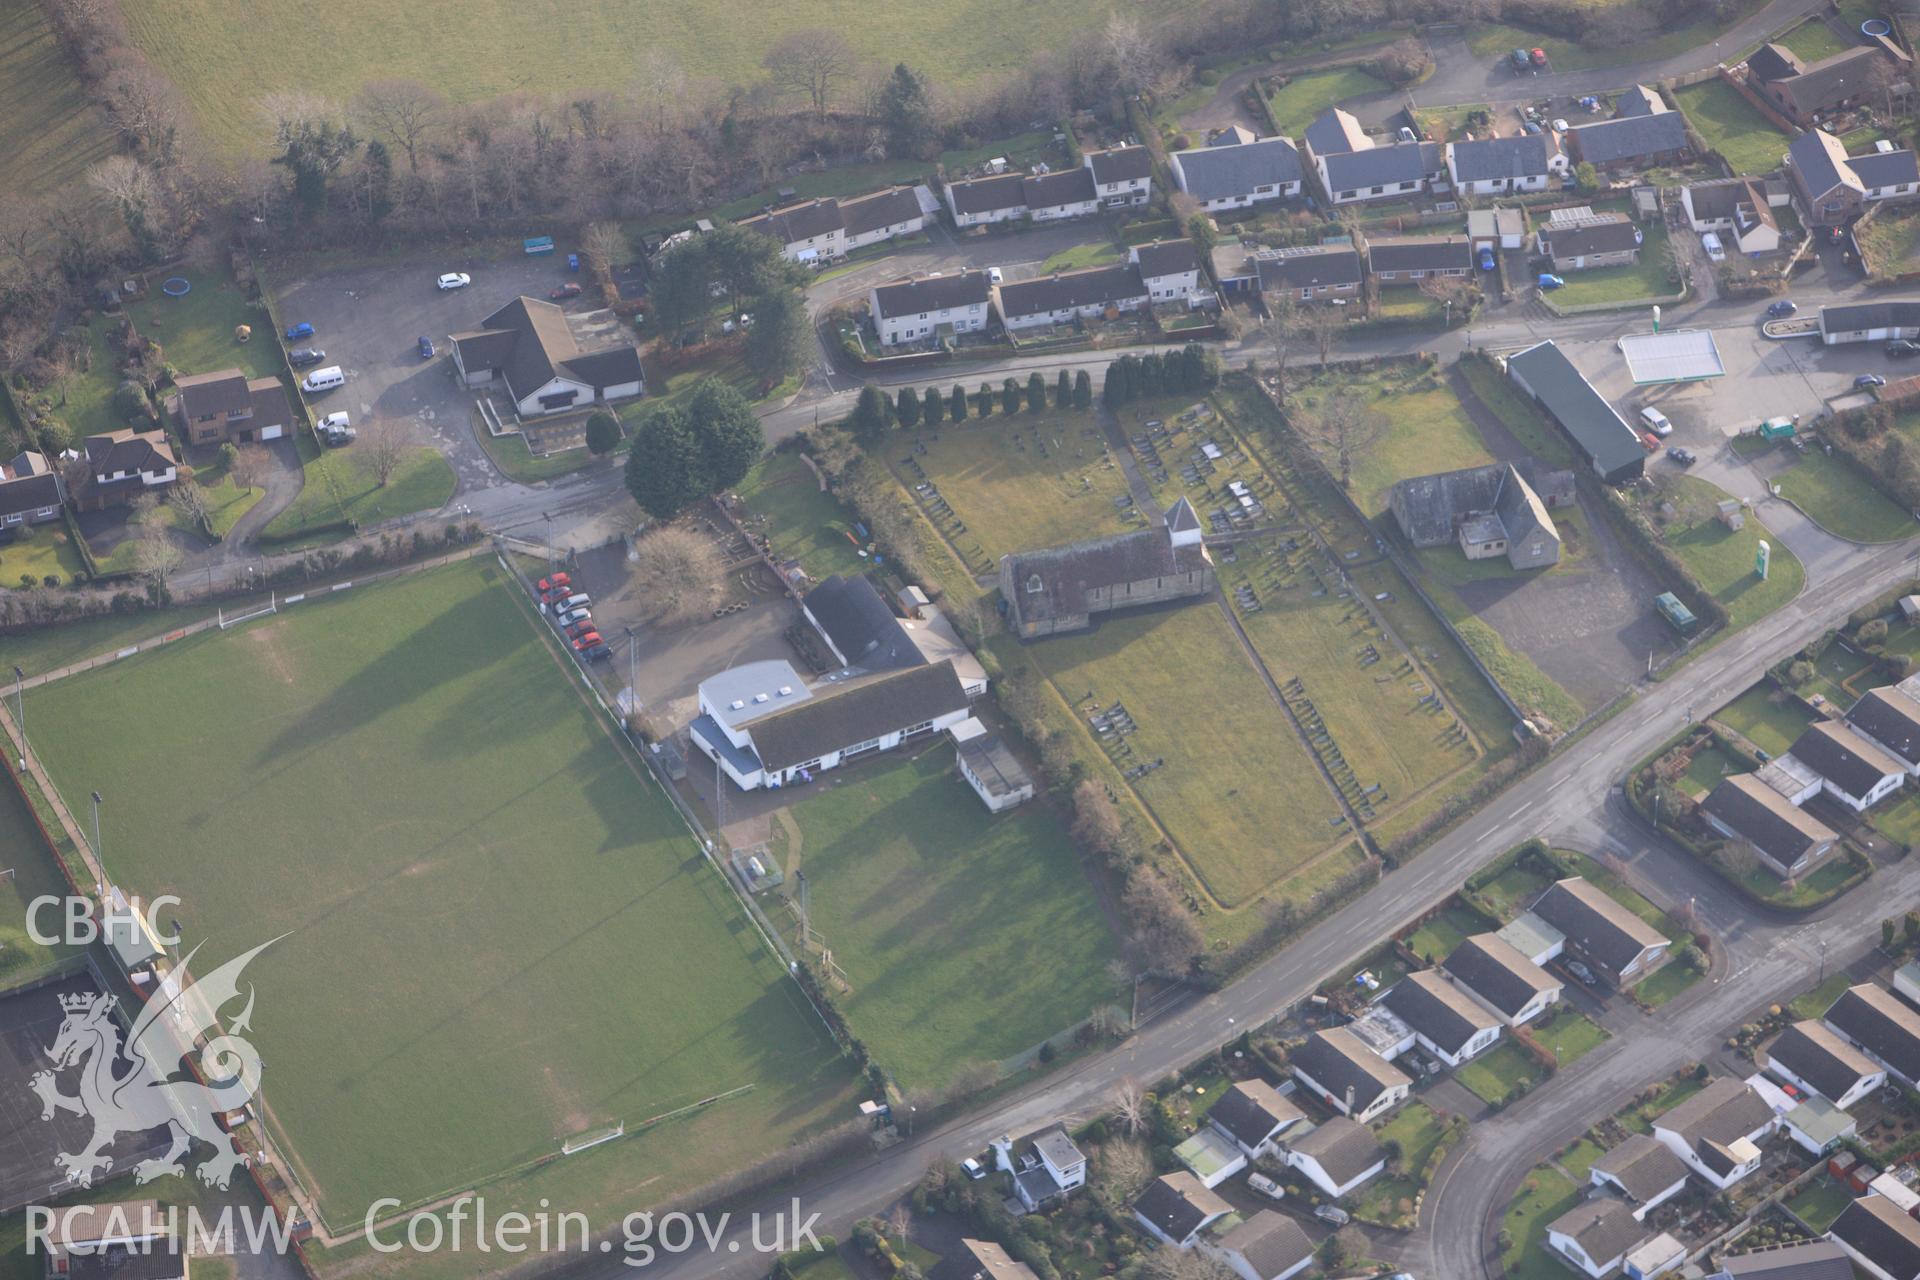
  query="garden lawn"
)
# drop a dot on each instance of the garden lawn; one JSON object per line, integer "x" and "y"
{"x": 516, "y": 462}
{"x": 1439, "y": 935}
{"x": 1814, "y": 1002}
{"x": 339, "y": 484}
{"x": 226, "y": 501}
{"x": 1708, "y": 767}
{"x": 1578, "y": 1159}
{"x": 1310, "y": 93}
{"x": 1668, "y": 981}
{"x": 967, "y": 936}
{"x": 50, "y": 130}
{"x": 1645, "y": 278}
{"x": 1723, "y": 558}
{"x": 1544, "y": 1196}
{"x": 1084, "y": 255}
{"x": 40, "y": 550}
{"x": 85, "y": 404}
{"x": 1731, "y": 126}
{"x": 1009, "y": 497}
{"x": 1569, "y": 1033}
{"x": 1513, "y": 888}
{"x": 1819, "y": 1202}
{"x": 802, "y": 522}
{"x": 1813, "y": 40}
{"x": 463, "y": 869}
{"x": 1766, "y": 717}
{"x": 1237, "y": 794}
{"x": 1500, "y": 1073}
{"x": 196, "y": 331}
{"x": 1390, "y": 1198}
{"x": 1841, "y": 502}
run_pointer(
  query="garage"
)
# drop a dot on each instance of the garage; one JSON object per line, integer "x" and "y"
{"x": 274, "y": 432}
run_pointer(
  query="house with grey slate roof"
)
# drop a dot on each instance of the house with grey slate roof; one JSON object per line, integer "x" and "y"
{"x": 1408, "y": 260}
{"x": 1584, "y": 243}
{"x": 1066, "y": 296}
{"x": 1595, "y": 1237}
{"x": 1060, "y": 589}
{"x": 1736, "y": 208}
{"x": 30, "y": 491}
{"x": 1489, "y": 511}
{"x": 1834, "y": 187}
{"x": 1644, "y": 131}
{"x": 1238, "y": 176}
{"x": 1170, "y": 269}
{"x": 1490, "y": 166}
{"x": 1122, "y": 176}
{"x": 1803, "y": 92}
{"x": 1496, "y": 973}
{"x": 811, "y": 230}
{"x": 550, "y": 362}
{"x": 1642, "y": 1170}
{"x": 922, "y": 308}
{"x": 1352, "y": 167}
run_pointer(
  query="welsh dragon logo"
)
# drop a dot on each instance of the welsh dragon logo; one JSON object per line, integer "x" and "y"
{"x": 129, "y": 1088}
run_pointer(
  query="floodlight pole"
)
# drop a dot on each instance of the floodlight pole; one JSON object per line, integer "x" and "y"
{"x": 633, "y": 680}
{"x": 96, "y": 833}
{"x": 20, "y": 712}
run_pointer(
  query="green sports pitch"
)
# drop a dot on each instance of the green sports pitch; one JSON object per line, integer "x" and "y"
{"x": 499, "y": 933}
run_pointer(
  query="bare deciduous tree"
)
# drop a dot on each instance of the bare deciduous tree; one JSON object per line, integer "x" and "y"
{"x": 405, "y": 112}
{"x": 1131, "y": 53}
{"x": 1323, "y": 325}
{"x": 663, "y": 88}
{"x": 1281, "y": 329}
{"x": 1344, "y": 426}
{"x": 383, "y": 445}
{"x": 811, "y": 62}
{"x": 155, "y": 557}
{"x": 143, "y": 105}
{"x": 249, "y": 469}
{"x": 1125, "y": 1168}
{"x": 602, "y": 244}
{"x": 679, "y": 573}
{"x": 1130, "y": 1106}
{"x": 1165, "y": 933}
{"x": 189, "y": 500}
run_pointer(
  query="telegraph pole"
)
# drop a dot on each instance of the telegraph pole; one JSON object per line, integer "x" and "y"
{"x": 20, "y": 712}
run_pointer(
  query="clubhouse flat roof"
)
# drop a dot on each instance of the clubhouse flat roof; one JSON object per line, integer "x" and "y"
{"x": 1682, "y": 355}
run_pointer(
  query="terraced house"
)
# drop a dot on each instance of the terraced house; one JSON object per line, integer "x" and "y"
{"x": 1067, "y": 296}
{"x": 1122, "y": 176}
{"x": 926, "y": 308}
{"x": 817, "y": 230}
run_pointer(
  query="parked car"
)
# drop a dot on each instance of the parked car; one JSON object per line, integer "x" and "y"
{"x": 426, "y": 347}
{"x": 1559, "y": 126}
{"x": 1266, "y": 1186}
{"x": 1650, "y": 442}
{"x": 1486, "y": 258}
{"x": 1685, "y": 457}
{"x": 557, "y": 596}
{"x": 1580, "y": 971}
{"x": 587, "y": 641}
{"x": 1901, "y": 348}
{"x": 1531, "y": 127}
{"x": 301, "y": 330}
{"x": 594, "y": 653}
{"x": 1657, "y": 421}
{"x": 1551, "y": 282}
{"x": 1332, "y": 1213}
{"x": 994, "y": 275}
{"x": 1866, "y": 380}
{"x": 455, "y": 280}
{"x": 580, "y": 628}
{"x": 557, "y": 580}
{"x": 571, "y": 616}
{"x": 1782, "y": 309}
{"x": 337, "y": 429}
{"x": 1539, "y": 57}
{"x": 571, "y": 289}
{"x": 973, "y": 1169}
{"x": 301, "y": 357}
{"x": 578, "y": 600}
{"x": 1711, "y": 243}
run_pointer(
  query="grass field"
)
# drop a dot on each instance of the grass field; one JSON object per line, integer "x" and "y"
{"x": 340, "y": 484}
{"x": 1238, "y": 794}
{"x": 402, "y": 781}
{"x": 1430, "y": 430}
{"x": 35, "y": 874}
{"x": 967, "y": 937}
{"x": 1729, "y": 124}
{"x": 1084, "y": 255}
{"x": 1310, "y": 93}
{"x": 1841, "y": 502}
{"x": 802, "y": 522}
{"x": 1494, "y": 40}
{"x": 49, "y": 131}
{"x": 40, "y": 550}
{"x": 1645, "y": 278}
{"x": 222, "y": 66}
{"x": 47, "y": 648}
{"x": 1545, "y": 1195}
{"x": 1723, "y": 558}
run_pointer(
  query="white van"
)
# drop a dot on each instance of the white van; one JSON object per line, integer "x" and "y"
{"x": 324, "y": 379}
{"x": 1657, "y": 421}
{"x": 1266, "y": 1186}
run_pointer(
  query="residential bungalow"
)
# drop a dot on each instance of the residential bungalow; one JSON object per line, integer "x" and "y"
{"x": 765, "y": 729}
{"x": 1736, "y": 209}
{"x": 815, "y": 230}
{"x": 1814, "y": 1058}
{"x": 1398, "y": 260}
{"x": 1803, "y": 92}
{"x": 1642, "y": 1170}
{"x": 992, "y": 770}
{"x": 1717, "y": 1132}
{"x": 1889, "y": 718}
{"x": 123, "y": 463}
{"x": 920, "y": 308}
{"x": 1446, "y": 1021}
{"x": 1787, "y": 839}
{"x": 1175, "y": 1209}
{"x": 227, "y": 405}
{"x": 1170, "y": 269}
{"x": 858, "y": 627}
{"x": 1617, "y": 944}
{"x": 535, "y": 349}
{"x": 1238, "y": 176}
{"x": 1489, "y": 511}
{"x": 31, "y": 492}
{"x": 1060, "y": 589}
{"x": 1267, "y": 1246}
{"x": 126, "y": 1240}
{"x": 1122, "y": 176}
{"x": 1810, "y": 1260}
{"x": 1491, "y": 166}
{"x": 1492, "y": 971}
{"x": 1834, "y": 187}
{"x": 1885, "y": 1027}
{"x": 1582, "y": 244}
{"x": 1338, "y": 1156}
{"x": 986, "y": 1260}
{"x": 1596, "y": 1236}
{"x": 1596, "y": 428}
{"x": 1851, "y": 769}
{"x": 1311, "y": 273}
{"x": 1347, "y": 1075}
{"x": 1643, "y": 132}
{"x": 1884, "y": 1241}
{"x": 1252, "y": 1114}
{"x": 1051, "y": 1165}
{"x": 1351, "y": 167}
{"x": 1870, "y": 321}
{"x": 1066, "y": 296}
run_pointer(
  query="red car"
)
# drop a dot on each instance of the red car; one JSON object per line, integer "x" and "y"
{"x": 546, "y": 585}
{"x": 591, "y": 640}
{"x": 571, "y": 289}
{"x": 1539, "y": 57}
{"x": 580, "y": 628}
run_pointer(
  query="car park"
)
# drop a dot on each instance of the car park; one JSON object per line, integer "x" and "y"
{"x": 337, "y": 429}
{"x": 324, "y": 379}
{"x": 1866, "y": 380}
{"x": 1656, "y": 421}
{"x": 1783, "y": 308}
{"x": 1901, "y": 348}
{"x": 301, "y": 357}
{"x": 426, "y": 347}
{"x": 571, "y": 289}
{"x": 455, "y": 280}
{"x": 297, "y": 331}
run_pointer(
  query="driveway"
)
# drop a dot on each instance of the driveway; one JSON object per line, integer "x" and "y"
{"x": 283, "y": 482}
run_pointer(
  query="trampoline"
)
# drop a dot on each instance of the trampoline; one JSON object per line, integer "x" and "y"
{"x": 1876, "y": 27}
{"x": 176, "y": 287}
